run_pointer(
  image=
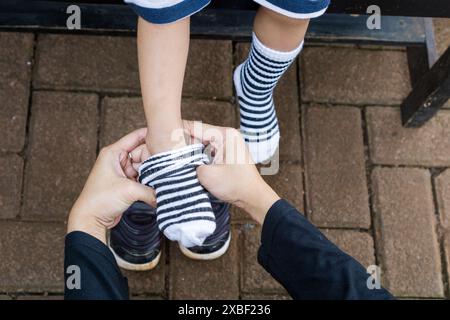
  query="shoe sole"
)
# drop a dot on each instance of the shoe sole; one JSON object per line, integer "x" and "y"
{"x": 208, "y": 256}
{"x": 136, "y": 267}
{"x": 133, "y": 266}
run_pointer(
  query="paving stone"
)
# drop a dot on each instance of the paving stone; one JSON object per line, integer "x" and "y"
{"x": 254, "y": 278}
{"x": 101, "y": 63}
{"x": 356, "y": 76}
{"x": 442, "y": 183}
{"x": 442, "y": 34}
{"x": 61, "y": 152}
{"x": 209, "y": 69}
{"x": 392, "y": 144}
{"x": 217, "y": 113}
{"x": 405, "y": 226}
{"x": 11, "y": 168}
{"x": 335, "y": 167}
{"x": 447, "y": 255}
{"x": 40, "y": 297}
{"x": 357, "y": 244}
{"x": 120, "y": 116}
{"x": 146, "y": 298}
{"x": 239, "y": 216}
{"x": 16, "y": 52}
{"x": 286, "y": 100}
{"x": 214, "y": 279}
{"x": 32, "y": 257}
{"x": 288, "y": 183}
{"x": 147, "y": 282}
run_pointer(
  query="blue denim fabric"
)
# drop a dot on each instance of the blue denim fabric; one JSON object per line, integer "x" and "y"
{"x": 188, "y": 7}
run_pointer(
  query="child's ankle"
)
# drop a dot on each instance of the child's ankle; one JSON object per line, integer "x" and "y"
{"x": 158, "y": 142}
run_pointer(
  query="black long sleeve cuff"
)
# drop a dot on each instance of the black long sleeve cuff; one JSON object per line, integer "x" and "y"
{"x": 306, "y": 263}
{"x": 90, "y": 270}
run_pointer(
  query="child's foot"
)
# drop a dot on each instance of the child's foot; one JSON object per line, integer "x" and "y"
{"x": 184, "y": 210}
{"x": 216, "y": 244}
{"x": 254, "y": 81}
{"x": 136, "y": 240}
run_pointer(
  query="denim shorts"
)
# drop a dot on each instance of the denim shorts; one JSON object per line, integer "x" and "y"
{"x": 167, "y": 11}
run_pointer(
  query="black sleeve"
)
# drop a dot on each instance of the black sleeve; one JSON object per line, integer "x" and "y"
{"x": 90, "y": 270}
{"x": 306, "y": 263}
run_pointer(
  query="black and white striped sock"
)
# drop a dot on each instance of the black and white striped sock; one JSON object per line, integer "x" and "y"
{"x": 183, "y": 209}
{"x": 255, "y": 80}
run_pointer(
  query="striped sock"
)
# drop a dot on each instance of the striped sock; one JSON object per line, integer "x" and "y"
{"x": 183, "y": 208}
{"x": 255, "y": 80}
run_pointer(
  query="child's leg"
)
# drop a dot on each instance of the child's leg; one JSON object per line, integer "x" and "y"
{"x": 277, "y": 40}
{"x": 184, "y": 211}
{"x": 279, "y": 32}
{"x": 163, "y": 50}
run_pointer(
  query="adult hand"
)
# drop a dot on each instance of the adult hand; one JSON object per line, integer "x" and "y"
{"x": 110, "y": 189}
{"x": 232, "y": 177}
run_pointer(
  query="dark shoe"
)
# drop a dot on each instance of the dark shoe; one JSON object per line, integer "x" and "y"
{"x": 136, "y": 240}
{"x": 217, "y": 243}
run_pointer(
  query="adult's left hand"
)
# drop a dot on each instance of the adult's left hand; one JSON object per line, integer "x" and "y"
{"x": 110, "y": 189}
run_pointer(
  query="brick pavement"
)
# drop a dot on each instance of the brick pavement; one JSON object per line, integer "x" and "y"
{"x": 379, "y": 191}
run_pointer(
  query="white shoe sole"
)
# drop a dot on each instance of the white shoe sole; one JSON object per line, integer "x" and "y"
{"x": 208, "y": 256}
{"x": 133, "y": 266}
{"x": 136, "y": 267}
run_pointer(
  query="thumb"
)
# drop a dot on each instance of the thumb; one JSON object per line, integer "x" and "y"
{"x": 140, "y": 192}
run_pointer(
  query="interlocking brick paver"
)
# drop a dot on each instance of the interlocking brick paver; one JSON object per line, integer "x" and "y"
{"x": 102, "y": 63}
{"x": 286, "y": 100}
{"x": 40, "y": 297}
{"x": 254, "y": 278}
{"x": 357, "y": 244}
{"x": 61, "y": 152}
{"x": 390, "y": 143}
{"x": 16, "y": 51}
{"x": 335, "y": 167}
{"x": 214, "y": 279}
{"x": 148, "y": 282}
{"x": 217, "y": 113}
{"x": 442, "y": 183}
{"x": 442, "y": 34}
{"x": 11, "y": 168}
{"x": 209, "y": 69}
{"x": 288, "y": 183}
{"x": 31, "y": 256}
{"x": 447, "y": 255}
{"x": 120, "y": 116}
{"x": 405, "y": 226}
{"x": 356, "y": 76}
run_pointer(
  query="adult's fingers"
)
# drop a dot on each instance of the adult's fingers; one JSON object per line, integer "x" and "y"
{"x": 131, "y": 140}
{"x": 139, "y": 192}
{"x": 139, "y": 154}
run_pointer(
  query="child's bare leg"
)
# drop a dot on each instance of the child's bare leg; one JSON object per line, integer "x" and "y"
{"x": 183, "y": 206}
{"x": 162, "y": 51}
{"x": 277, "y": 31}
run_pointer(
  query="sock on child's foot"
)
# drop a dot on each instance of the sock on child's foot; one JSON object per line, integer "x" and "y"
{"x": 183, "y": 209}
{"x": 254, "y": 81}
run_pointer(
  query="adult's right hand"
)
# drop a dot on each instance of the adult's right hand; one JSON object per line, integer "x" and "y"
{"x": 232, "y": 176}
